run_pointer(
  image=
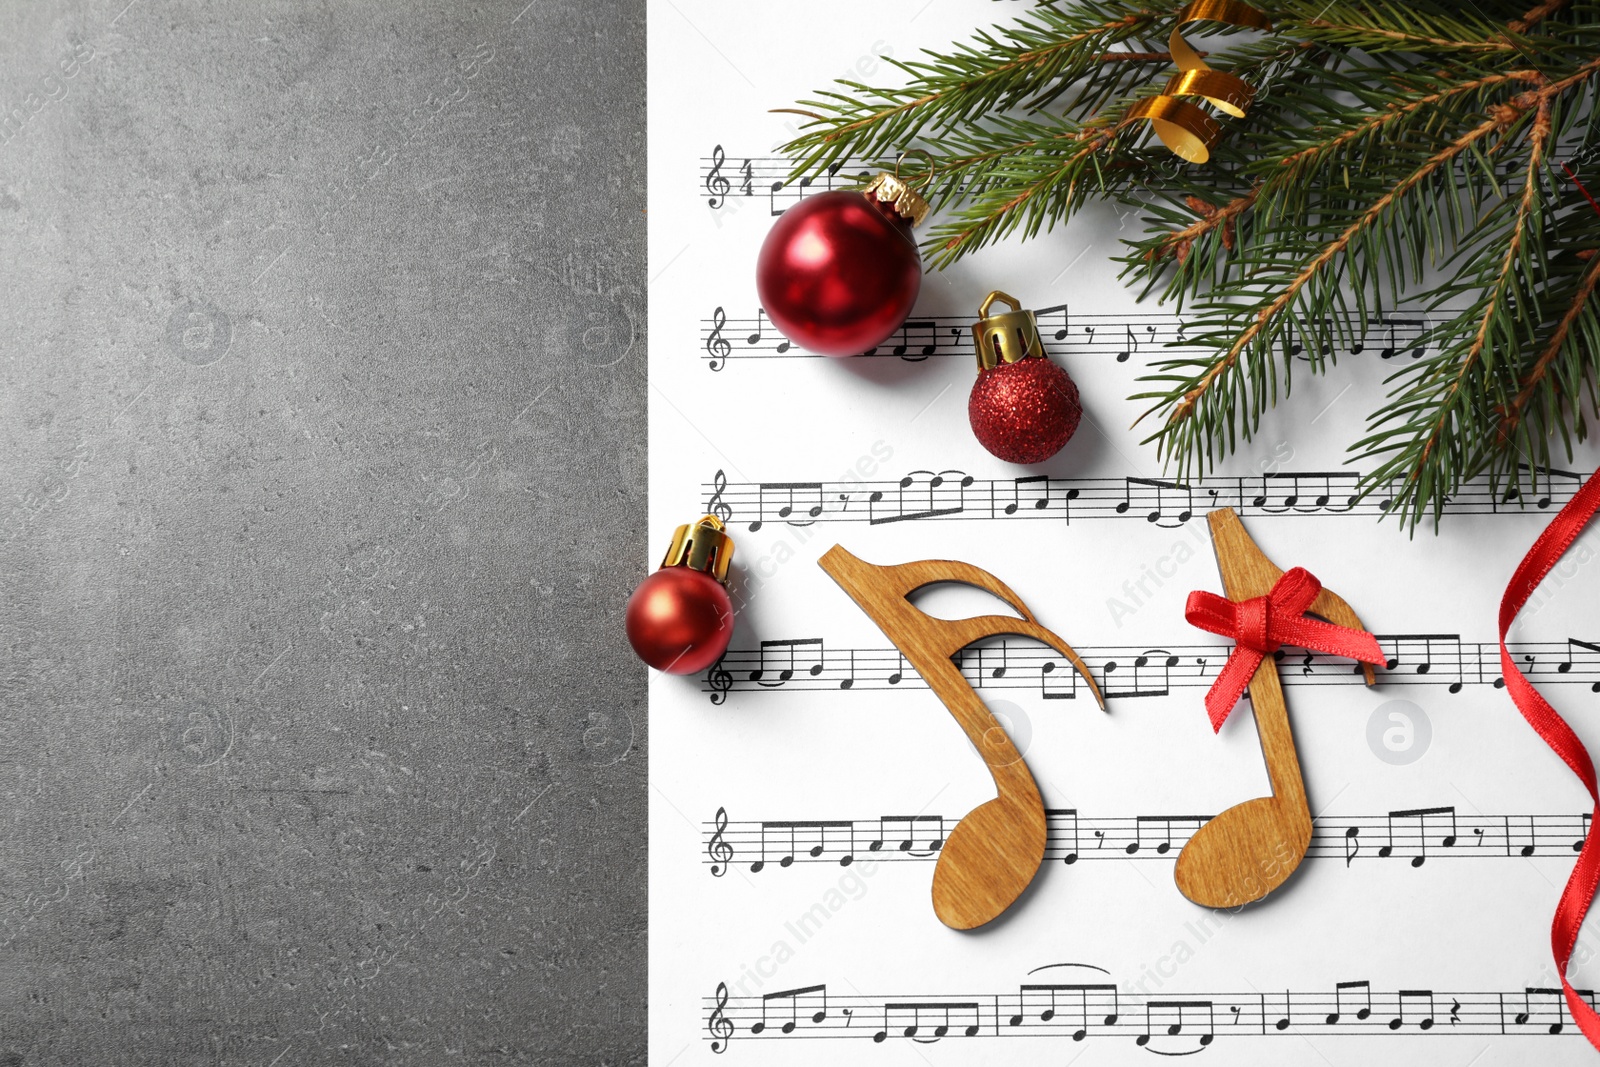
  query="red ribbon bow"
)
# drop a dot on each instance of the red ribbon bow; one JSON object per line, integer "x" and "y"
{"x": 1260, "y": 625}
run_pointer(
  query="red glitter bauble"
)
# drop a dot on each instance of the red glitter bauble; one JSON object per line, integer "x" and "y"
{"x": 680, "y": 620}
{"x": 839, "y": 273}
{"x": 1023, "y": 412}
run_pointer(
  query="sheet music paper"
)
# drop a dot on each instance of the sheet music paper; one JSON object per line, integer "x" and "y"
{"x": 801, "y": 790}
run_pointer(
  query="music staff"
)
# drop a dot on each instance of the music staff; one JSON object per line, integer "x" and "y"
{"x": 1134, "y": 672}
{"x": 1117, "y": 337}
{"x": 1163, "y": 1024}
{"x": 922, "y": 495}
{"x": 1412, "y": 836}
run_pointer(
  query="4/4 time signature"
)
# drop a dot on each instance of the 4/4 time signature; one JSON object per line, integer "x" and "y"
{"x": 1413, "y": 835}
{"x": 1164, "y": 1024}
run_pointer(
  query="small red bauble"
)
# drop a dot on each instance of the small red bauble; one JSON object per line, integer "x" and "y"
{"x": 1023, "y": 407}
{"x": 680, "y": 619}
{"x": 839, "y": 272}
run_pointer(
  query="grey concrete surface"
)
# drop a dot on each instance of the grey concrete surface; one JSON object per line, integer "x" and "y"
{"x": 322, "y": 405}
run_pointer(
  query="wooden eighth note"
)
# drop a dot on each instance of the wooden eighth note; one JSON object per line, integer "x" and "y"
{"x": 995, "y": 850}
{"x": 1252, "y": 848}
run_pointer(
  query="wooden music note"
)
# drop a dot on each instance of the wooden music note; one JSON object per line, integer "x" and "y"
{"x": 1252, "y": 848}
{"x": 995, "y": 850}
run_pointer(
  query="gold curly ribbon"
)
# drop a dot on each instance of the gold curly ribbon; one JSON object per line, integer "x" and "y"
{"x": 1182, "y": 126}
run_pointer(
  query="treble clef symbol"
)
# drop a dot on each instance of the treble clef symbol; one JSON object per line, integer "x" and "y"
{"x": 718, "y": 346}
{"x": 716, "y": 184}
{"x": 716, "y": 505}
{"x": 720, "y": 1025}
{"x": 719, "y": 850}
{"x": 720, "y": 682}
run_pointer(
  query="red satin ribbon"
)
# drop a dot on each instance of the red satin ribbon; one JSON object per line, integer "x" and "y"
{"x": 1263, "y": 623}
{"x": 1580, "y": 888}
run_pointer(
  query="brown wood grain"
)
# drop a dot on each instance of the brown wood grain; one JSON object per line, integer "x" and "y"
{"x": 1252, "y": 848}
{"x": 993, "y": 853}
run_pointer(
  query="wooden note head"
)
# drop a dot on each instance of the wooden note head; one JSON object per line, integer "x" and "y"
{"x": 1252, "y": 848}
{"x": 995, "y": 850}
{"x": 990, "y": 858}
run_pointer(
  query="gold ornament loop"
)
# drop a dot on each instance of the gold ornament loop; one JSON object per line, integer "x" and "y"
{"x": 921, "y": 179}
{"x": 1183, "y": 127}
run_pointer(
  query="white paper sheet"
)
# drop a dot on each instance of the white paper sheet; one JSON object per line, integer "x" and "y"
{"x": 820, "y": 951}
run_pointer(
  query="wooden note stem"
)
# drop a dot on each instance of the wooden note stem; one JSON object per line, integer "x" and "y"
{"x": 1252, "y": 848}
{"x": 994, "y": 851}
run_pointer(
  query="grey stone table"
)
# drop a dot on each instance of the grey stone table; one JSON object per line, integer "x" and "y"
{"x": 322, "y": 387}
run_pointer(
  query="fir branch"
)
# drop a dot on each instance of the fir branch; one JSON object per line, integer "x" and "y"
{"x": 1511, "y": 414}
{"x": 1494, "y": 306}
{"x": 1536, "y": 15}
{"x": 1380, "y": 147}
{"x": 1186, "y": 406}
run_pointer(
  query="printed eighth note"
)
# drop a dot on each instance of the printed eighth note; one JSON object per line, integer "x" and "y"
{"x": 1404, "y": 837}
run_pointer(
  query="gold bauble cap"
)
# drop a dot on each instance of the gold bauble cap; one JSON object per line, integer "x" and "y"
{"x": 900, "y": 196}
{"x": 703, "y": 545}
{"x": 1007, "y": 337}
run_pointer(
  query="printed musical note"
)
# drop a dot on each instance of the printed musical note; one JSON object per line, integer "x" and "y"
{"x": 791, "y": 838}
{"x": 926, "y": 829}
{"x": 1064, "y": 832}
{"x": 1150, "y": 676}
{"x": 717, "y": 346}
{"x": 1157, "y": 830}
{"x": 1422, "y": 1016}
{"x": 1305, "y": 492}
{"x": 1131, "y": 342}
{"x": 1172, "y": 1016}
{"x": 1043, "y": 316}
{"x": 908, "y": 1019}
{"x": 1038, "y": 493}
{"x": 925, "y": 495}
{"x": 1058, "y": 681}
{"x": 1345, "y": 993}
{"x": 1165, "y": 1024}
{"x": 788, "y": 507}
{"x": 783, "y": 653}
{"x": 1585, "y": 654}
{"x": 1399, "y": 330}
{"x": 917, "y": 341}
{"x": 814, "y": 997}
{"x": 1414, "y": 838}
{"x": 1165, "y": 504}
{"x": 755, "y": 338}
{"x": 1043, "y": 1002}
{"x": 719, "y": 850}
{"x": 1545, "y": 1007}
{"x": 961, "y": 496}
{"x": 1441, "y": 653}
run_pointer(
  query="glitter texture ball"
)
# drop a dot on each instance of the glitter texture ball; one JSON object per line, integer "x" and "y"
{"x": 1023, "y": 412}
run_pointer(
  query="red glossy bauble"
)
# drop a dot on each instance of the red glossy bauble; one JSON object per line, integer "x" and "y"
{"x": 1023, "y": 412}
{"x": 680, "y": 620}
{"x": 839, "y": 273}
